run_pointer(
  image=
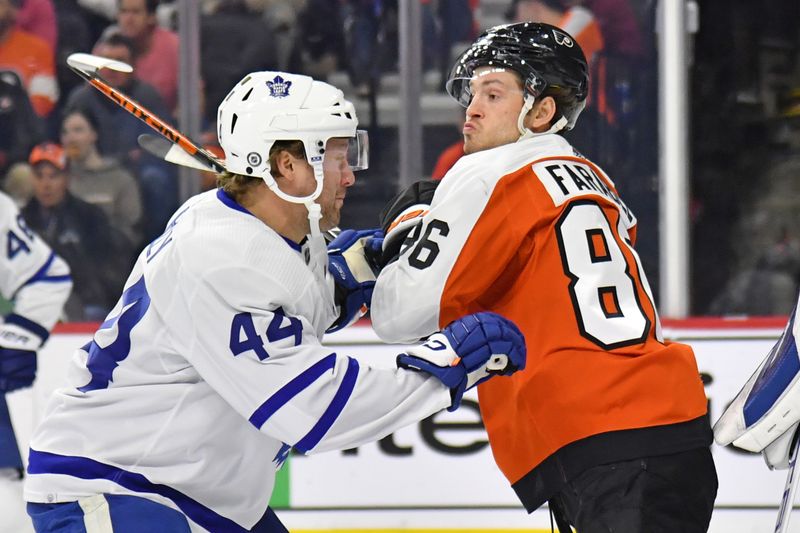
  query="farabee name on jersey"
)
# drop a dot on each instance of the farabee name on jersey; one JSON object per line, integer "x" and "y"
{"x": 566, "y": 179}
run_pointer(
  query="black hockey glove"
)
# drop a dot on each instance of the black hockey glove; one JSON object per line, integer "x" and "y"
{"x": 402, "y": 214}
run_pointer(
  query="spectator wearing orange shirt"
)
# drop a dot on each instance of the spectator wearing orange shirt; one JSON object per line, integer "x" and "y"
{"x": 30, "y": 57}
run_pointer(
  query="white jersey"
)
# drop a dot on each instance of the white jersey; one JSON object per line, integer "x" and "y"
{"x": 31, "y": 276}
{"x": 207, "y": 371}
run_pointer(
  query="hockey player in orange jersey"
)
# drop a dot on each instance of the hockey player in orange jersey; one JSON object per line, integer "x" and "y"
{"x": 608, "y": 422}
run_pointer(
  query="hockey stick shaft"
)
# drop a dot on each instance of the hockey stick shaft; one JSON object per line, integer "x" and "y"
{"x": 151, "y": 119}
{"x": 787, "y": 501}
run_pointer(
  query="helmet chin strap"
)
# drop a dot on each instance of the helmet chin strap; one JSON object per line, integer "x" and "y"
{"x": 318, "y": 250}
{"x": 525, "y": 133}
{"x": 317, "y": 247}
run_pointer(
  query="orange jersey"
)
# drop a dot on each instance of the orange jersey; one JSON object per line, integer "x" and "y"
{"x": 32, "y": 59}
{"x": 538, "y": 234}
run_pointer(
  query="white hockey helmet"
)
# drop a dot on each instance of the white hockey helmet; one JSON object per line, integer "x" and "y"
{"x": 278, "y": 106}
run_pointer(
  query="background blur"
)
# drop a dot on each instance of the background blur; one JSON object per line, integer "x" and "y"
{"x": 743, "y": 128}
{"x": 98, "y": 199}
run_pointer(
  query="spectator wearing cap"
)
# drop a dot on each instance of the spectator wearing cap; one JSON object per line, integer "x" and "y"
{"x": 78, "y": 232}
{"x": 30, "y": 57}
{"x": 99, "y": 180}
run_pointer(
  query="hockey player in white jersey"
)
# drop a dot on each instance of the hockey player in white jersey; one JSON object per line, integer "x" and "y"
{"x": 38, "y": 283}
{"x": 210, "y": 367}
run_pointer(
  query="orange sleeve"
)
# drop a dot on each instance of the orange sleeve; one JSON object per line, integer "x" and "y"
{"x": 498, "y": 247}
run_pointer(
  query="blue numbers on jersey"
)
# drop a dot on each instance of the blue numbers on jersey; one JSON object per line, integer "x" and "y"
{"x": 243, "y": 325}
{"x": 16, "y": 244}
{"x": 244, "y": 336}
{"x": 103, "y": 361}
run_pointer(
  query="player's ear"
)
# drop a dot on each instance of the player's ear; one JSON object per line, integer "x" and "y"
{"x": 285, "y": 163}
{"x": 541, "y": 115}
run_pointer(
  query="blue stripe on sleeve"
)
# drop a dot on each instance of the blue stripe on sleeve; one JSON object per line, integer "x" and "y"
{"x": 290, "y": 390}
{"x": 334, "y": 409}
{"x": 29, "y": 325}
{"x": 85, "y": 468}
{"x": 43, "y": 270}
{"x": 54, "y": 279}
{"x": 41, "y": 274}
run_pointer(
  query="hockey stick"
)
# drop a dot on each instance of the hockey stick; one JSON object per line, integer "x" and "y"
{"x": 87, "y": 65}
{"x": 787, "y": 502}
{"x": 172, "y": 153}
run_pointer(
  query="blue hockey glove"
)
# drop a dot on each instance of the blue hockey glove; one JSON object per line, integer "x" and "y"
{"x": 350, "y": 264}
{"x": 469, "y": 351}
{"x": 17, "y": 369}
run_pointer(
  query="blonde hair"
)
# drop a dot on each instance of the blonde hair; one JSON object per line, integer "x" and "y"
{"x": 237, "y": 186}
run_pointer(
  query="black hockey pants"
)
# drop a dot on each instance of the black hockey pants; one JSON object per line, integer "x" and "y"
{"x": 660, "y": 494}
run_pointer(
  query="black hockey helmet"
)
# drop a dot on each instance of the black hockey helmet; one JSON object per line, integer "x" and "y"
{"x": 549, "y": 61}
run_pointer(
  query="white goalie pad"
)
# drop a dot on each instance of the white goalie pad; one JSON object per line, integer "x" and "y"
{"x": 769, "y": 403}
{"x": 778, "y": 454}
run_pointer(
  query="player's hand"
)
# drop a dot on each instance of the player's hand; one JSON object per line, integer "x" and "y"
{"x": 469, "y": 351}
{"x": 402, "y": 214}
{"x": 17, "y": 369}
{"x": 349, "y": 263}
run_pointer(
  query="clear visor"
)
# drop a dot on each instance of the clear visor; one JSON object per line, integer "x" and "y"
{"x": 459, "y": 85}
{"x": 459, "y": 89}
{"x": 358, "y": 151}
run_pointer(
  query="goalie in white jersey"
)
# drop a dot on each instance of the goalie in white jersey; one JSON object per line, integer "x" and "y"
{"x": 210, "y": 368}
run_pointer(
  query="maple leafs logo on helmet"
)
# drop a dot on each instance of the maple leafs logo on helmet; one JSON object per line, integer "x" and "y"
{"x": 278, "y": 87}
{"x": 270, "y": 106}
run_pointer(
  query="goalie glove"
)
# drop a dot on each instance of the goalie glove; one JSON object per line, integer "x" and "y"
{"x": 402, "y": 214}
{"x": 467, "y": 352}
{"x": 351, "y": 256}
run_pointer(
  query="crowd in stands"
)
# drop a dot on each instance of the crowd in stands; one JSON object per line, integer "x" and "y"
{"x": 71, "y": 160}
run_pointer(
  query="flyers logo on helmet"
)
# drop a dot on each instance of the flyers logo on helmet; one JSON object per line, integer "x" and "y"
{"x": 563, "y": 39}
